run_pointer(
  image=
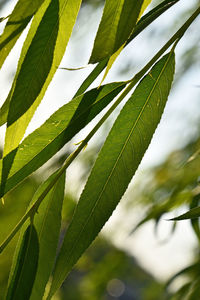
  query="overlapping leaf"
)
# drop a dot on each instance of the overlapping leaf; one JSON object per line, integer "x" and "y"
{"x": 117, "y": 53}
{"x": 115, "y": 165}
{"x": 140, "y": 26}
{"x": 44, "y": 142}
{"x": 47, "y": 223}
{"x": 23, "y": 274}
{"x": 41, "y": 55}
{"x": 17, "y": 22}
{"x": 117, "y": 23}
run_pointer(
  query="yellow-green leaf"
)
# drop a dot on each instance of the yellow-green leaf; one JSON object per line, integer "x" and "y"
{"x": 41, "y": 55}
{"x": 117, "y": 23}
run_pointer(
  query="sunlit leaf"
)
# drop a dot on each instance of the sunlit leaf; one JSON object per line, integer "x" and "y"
{"x": 146, "y": 20}
{"x": 117, "y": 23}
{"x": 144, "y": 6}
{"x": 116, "y": 164}
{"x": 117, "y": 53}
{"x": 45, "y": 141}
{"x": 17, "y": 22}
{"x": 41, "y": 55}
{"x": 23, "y": 274}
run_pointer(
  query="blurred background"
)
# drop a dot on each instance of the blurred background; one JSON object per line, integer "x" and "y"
{"x": 125, "y": 263}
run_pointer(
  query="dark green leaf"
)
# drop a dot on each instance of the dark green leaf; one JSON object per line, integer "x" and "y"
{"x": 47, "y": 223}
{"x": 41, "y": 55}
{"x": 116, "y": 165}
{"x": 44, "y": 142}
{"x": 17, "y": 22}
{"x": 191, "y": 214}
{"x": 117, "y": 23}
{"x": 23, "y": 275}
{"x": 195, "y": 222}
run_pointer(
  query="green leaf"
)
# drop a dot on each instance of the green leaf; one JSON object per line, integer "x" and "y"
{"x": 91, "y": 77}
{"x": 141, "y": 25}
{"x": 117, "y": 53}
{"x": 144, "y": 6}
{"x": 117, "y": 23}
{"x": 23, "y": 275}
{"x": 45, "y": 141}
{"x": 47, "y": 223}
{"x": 115, "y": 165}
{"x": 191, "y": 214}
{"x": 4, "y": 111}
{"x": 41, "y": 55}
{"x": 195, "y": 222}
{"x": 17, "y": 22}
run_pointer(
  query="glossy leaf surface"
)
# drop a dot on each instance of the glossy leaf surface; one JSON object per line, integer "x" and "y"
{"x": 116, "y": 165}
{"x": 45, "y": 141}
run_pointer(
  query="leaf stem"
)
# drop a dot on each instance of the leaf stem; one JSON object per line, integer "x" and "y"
{"x": 131, "y": 83}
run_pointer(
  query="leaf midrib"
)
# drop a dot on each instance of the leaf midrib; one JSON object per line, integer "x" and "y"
{"x": 41, "y": 57}
{"x": 89, "y": 107}
{"x": 120, "y": 154}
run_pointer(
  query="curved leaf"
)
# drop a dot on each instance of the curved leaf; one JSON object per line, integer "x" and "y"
{"x": 117, "y": 53}
{"x": 17, "y": 22}
{"x": 41, "y": 55}
{"x": 23, "y": 275}
{"x": 115, "y": 165}
{"x": 45, "y": 141}
{"x": 117, "y": 23}
{"x": 140, "y": 26}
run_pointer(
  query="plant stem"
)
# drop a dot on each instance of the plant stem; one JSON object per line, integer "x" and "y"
{"x": 33, "y": 209}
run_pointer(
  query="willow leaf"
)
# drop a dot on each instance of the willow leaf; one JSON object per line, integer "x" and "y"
{"x": 114, "y": 56}
{"x": 47, "y": 223}
{"x": 41, "y": 55}
{"x": 144, "y": 6}
{"x": 115, "y": 165}
{"x": 45, "y": 141}
{"x": 23, "y": 275}
{"x": 17, "y": 22}
{"x": 140, "y": 26}
{"x": 191, "y": 214}
{"x": 117, "y": 23}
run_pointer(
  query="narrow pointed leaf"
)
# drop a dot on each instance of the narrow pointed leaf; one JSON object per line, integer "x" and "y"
{"x": 191, "y": 214}
{"x": 117, "y": 53}
{"x": 47, "y": 223}
{"x": 23, "y": 276}
{"x": 45, "y": 141}
{"x": 141, "y": 25}
{"x": 117, "y": 23}
{"x": 17, "y": 22}
{"x": 144, "y": 6}
{"x": 41, "y": 55}
{"x": 115, "y": 165}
